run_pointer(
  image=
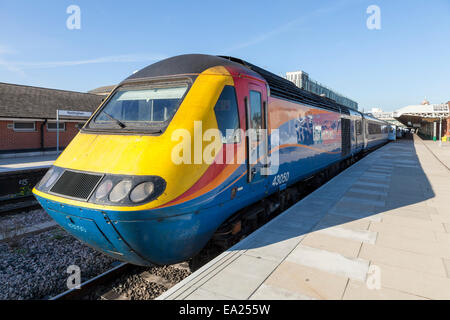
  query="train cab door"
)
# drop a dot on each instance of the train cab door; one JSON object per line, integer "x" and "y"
{"x": 257, "y": 135}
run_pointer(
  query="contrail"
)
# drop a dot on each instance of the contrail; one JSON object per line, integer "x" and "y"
{"x": 108, "y": 59}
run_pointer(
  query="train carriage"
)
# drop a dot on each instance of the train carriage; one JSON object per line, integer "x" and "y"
{"x": 182, "y": 145}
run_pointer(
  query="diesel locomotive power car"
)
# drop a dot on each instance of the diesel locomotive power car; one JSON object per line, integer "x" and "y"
{"x": 118, "y": 188}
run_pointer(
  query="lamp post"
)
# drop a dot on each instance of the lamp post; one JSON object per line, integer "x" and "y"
{"x": 57, "y": 132}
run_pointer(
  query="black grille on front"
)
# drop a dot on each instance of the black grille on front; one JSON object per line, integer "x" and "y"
{"x": 76, "y": 184}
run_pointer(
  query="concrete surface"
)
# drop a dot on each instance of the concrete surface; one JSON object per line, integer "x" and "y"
{"x": 379, "y": 230}
{"x": 26, "y": 163}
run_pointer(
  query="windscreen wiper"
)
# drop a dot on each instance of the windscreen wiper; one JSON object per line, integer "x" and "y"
{"x": 120, "y": 123}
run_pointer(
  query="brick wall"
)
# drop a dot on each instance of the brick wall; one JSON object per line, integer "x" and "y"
{"x": 16, "y": 140}
{"x": 64, "y": 136}
{"x": 447, "y": 133}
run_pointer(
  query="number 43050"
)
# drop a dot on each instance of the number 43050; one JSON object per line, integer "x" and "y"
{"x": 280, "y": 179}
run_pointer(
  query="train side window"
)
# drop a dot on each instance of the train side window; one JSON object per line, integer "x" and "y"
{"x": 226, "y": 111}
{"x": 358, "y": 127}
{"x": 374, "y": 128}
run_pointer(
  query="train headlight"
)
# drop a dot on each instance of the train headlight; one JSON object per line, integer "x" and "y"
{"x": 142, "y": 191}
{"x": 120, "y": 191}
{"x": 51, "y": 180}
{"x": 104, "y": 189}
{"x": 47, "y": 176}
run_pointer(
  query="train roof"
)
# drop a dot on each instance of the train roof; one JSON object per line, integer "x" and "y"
{"x": 187, "y": 64}
{"x": 284, "y": 88}
{"x": 371, "y": 117}
{"x": 193, "y": 64}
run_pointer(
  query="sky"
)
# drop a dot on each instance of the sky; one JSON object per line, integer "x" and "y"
{"x": 404, "y": 61}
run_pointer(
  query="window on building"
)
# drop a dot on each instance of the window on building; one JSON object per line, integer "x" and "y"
{"x": 226, "y": 111}
{"x": 24, "y": 126}
{"x": 51, "y": 126}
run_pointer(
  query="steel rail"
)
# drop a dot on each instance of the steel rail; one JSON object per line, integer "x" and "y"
{"x": 89, "y": 285}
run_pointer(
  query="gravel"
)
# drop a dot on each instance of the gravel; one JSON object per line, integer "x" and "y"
{"x": 26, "y": 219}
{"x": 35, "y": 267}
{"x": 134, "y": 286}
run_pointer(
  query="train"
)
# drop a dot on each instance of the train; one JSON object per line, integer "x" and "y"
{"x": 178, "y": 150}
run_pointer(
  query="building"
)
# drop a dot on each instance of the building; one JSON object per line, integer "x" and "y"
{"x": 28, "y": 117}
{"x": 427, "y": 118}
{"x": 102, "y": 91}
{"x": 302, "y": 80}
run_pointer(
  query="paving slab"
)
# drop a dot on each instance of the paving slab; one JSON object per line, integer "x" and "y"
{"x": 379, "y": 230}
{"x": 403, "y": 259}
{"x": 308, "y": 282}
{"x": 357, "y": 290}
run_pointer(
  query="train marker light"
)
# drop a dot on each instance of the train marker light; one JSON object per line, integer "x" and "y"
{"x": 142, "y": 191}
{"x": 52, "y": 179}
{"x": 120, "y": 191}
{"x": 104, "y": 189}
{"x": 47, "y": 176}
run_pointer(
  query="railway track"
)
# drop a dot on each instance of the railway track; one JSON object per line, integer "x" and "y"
{"x": 18, "y": 205}
{"x": 88, "y": 286}
{"x": 128, "y": 282}
{"x": 15, "y": 190}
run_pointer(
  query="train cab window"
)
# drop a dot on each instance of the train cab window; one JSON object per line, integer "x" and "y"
{"x": 255, "y": 110}
{"x": 145, "y": 108}
{"x": 226, "y": 111}
{"x": 255, "y": 113}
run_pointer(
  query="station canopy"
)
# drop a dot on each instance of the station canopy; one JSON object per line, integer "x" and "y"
{"x": 415, "y": 114}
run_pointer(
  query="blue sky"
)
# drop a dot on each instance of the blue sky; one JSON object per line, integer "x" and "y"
{"x": 405, "y": 61}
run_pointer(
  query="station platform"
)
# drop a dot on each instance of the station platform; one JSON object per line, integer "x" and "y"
{"x": 441, "y": 150}
{"x": 26, "y": 163}
{"x": 379, "y": 230}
